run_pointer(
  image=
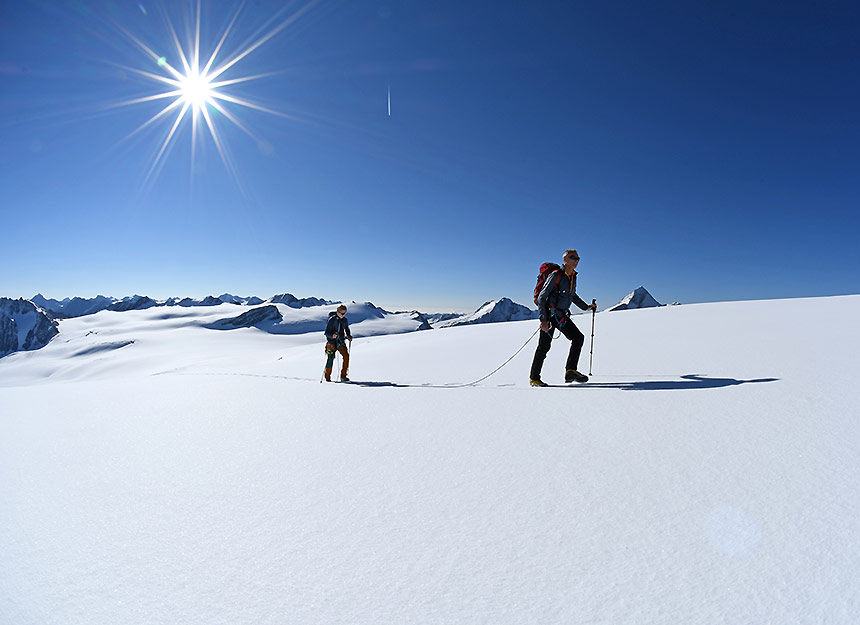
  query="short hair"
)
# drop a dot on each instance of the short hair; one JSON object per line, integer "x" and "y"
{"x": 571, "y": 254}
{"x": 341, "y": 308}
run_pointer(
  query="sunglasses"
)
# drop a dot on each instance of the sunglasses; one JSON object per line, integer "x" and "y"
{"x": 573, "y": 258}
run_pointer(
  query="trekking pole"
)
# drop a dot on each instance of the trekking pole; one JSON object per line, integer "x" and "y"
{"x": 593, "y": 313}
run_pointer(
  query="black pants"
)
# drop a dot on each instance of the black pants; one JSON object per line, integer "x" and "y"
{"x": 545, "y": 342}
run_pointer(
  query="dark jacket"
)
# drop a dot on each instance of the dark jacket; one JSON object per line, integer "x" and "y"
{"x": 337, "y": 330}
{"x": 554, "y": 299}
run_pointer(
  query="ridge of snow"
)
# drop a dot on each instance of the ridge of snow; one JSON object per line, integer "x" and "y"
{"x": 261, "y": 317}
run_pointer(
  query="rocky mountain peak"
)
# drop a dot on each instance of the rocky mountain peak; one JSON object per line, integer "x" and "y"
{"x": 24, "y": 326}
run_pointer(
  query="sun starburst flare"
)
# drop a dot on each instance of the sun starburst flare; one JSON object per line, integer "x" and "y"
{"x": 196, "y": 90}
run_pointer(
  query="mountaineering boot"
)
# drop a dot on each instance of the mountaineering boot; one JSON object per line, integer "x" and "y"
{"x": 537, "y": 382}
{"x": 572, "y": 375}
{"x": 343, "y": 378}
{"x": 328, "y": 374}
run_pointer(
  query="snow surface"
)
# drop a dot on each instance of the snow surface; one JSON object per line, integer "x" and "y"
{"x": 708, "y": 474}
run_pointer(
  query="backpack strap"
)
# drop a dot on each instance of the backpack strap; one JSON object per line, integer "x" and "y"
{"x": 559, "y": 273}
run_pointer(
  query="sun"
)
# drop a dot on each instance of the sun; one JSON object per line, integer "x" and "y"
{"x": 195, "y": 89}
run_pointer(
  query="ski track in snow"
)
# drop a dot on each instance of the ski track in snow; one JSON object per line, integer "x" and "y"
{"x": 708, "y": 474}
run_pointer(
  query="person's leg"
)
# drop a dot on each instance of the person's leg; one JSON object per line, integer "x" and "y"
{"x": 345, "y": 353}
{"x": 576, "y": 341}
{"x": 544, "y": 343}
{"x": 330, "y": 351}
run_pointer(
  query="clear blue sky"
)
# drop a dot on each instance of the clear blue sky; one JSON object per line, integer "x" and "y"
{"x": 707, "y": 150}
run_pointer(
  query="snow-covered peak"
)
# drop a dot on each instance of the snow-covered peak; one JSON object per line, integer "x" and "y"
{"x": 72, "y": 307}
{"x": 209, "y": 300}
{"x": 228, "y": 298}
{"x": 23, "y": 326}
{"x": 136, "y": 302}
{"x": 294, "y": 302}
{"x": 46, "y": 303}
{"x": 640, "y": 298}
{"x": 493, "y": 311}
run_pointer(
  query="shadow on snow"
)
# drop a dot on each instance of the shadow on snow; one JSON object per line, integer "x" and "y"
{"x": 686, "y": 383}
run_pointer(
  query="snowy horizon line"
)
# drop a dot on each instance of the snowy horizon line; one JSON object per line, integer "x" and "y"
{"x": 251, "y": 301}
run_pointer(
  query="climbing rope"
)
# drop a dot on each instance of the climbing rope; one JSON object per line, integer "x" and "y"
{"x": 494, "y": 371}
{"x": 497, "y": 368}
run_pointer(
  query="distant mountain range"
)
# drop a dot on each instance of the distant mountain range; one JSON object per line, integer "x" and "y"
{"x": 31, "y": 324}
{"x": 490, "y": 312}
{"x": 78, "y": 306}
{"x": 74, "y": 307}
{"x": 371, "y": 320}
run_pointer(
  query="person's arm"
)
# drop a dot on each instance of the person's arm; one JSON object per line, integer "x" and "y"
{"x": 346, "y": 329}
{"x": 576, "y": 299}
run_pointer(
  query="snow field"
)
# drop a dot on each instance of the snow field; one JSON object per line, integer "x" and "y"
{"x": 207, "y": 477}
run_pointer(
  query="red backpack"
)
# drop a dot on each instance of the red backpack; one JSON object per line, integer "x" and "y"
{"x": 545, "y": 270}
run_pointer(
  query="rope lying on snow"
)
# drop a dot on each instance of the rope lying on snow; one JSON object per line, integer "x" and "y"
{"x": 497, "y": 368}
{"x": 493, "y": 372}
